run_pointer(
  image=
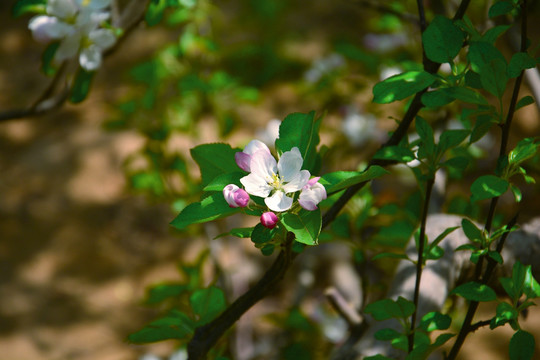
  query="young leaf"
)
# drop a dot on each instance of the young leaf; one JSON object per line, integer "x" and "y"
{"x": 301, "y": 131}
{"x": 435, "y": 321}
{"x": 214, "y": 160}
{"x": 474, "y": 291}
{"x": 500, "y": 8}
{"x": 81, "y": 85}
{"x": 531, "y": 288}
{"x": 210, "y": 208}
{"x": 207, "y": 304}
{"x": 504, "y": 314}
{"x": 339, "y": 180}
{"x": 473, "y": 233}
{"x": 401, "y": 86}
{"x": 306, "y": 225}
{"x": 524, "y": 150}
{"x": 175, "y": 325}
{"x": 487, "y": 187}
{"x": 519, "y": 62}
{"x": 442, "y": 40}
{"x": 521, "y": 346}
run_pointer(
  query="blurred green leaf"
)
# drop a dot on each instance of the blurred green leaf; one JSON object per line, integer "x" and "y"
{"x": 339, "y": 180}
{"x": 487, "y": 187}
{"x": 520, "y": 61}
{"x": 524, "y": 101}
{"x": 474, "y": 291}
{"x": 160, "y": 292}
{"x": 396, "y": 153}
{"x": 175, "y": 325}
{"x": 522, "y": 346}
{"x": 500, "y": 8}
{"x": 22, "y": 7}
{"x": 207, "y": 304}
{"x": 81, "y": 85}
{"x": 435, "y": 321}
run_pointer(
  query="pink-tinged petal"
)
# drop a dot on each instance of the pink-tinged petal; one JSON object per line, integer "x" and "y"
{"x": 297, "y": 182}
{"x": 63, "y": 9}
{"x": 263, "y": 164}
{"x": 243, "y": 160}
{"x": 278, "y": 202}
{"x": 102, "y": 38}
{"x": 256, "y": 185}
{"x": 290, "y": 164}
{"x": 254, "y": 146}
{"x": 269, "y": 220}
{"x": 313, "y": 181}
{"x": 241, "y": 198}
{"x": 228, "y": 194}
{"x": 68, "y": 48}
{"x": 90, "y": 58}
{"x": 311, "y": 196}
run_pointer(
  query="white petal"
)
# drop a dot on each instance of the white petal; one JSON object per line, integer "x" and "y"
{"x": 263, "y": 164}
{"x": 102, "y": 38}
{"x": 90, "y": 58}
{"x": 68, "y": 47}
{"x": 290, "y": 164}
{"x": 254, "y": 146}
{"x": 63, "y": 9}
{"x": 256, "y": 185}
{"x": 47, "y": 28}
{"x": 297, "y": 182}
{"x": 279, "y": 202}
{"x": 94, "y": 4}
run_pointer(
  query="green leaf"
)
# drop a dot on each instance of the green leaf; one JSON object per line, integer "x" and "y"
{"x": 467, "y": 95}
{"x": 387, "y": 334}
{"x": 435, "y": 321}
{"x": 450, "y": 139}
{"x": 339, "y": 180}
{"x": 396, "y": 153}
{"x": 207, "y": 304}
{"x": 500, "y": 8}
{"x": 491, "y": 35}
{"x": 458, "y": 163}
{"x": 495, "y": 256}
{"x": 161, "y": 292}
{"x": 81, "y": 85}
{"x": 47, "y": 58}
{"x": 220, "y": 181}
{"x": 22, "y": 7}
{"x": 517, "y": 193}
{"x": 214, "y": 160}
{"x": 474, "y": 291}
{"x": 377, "y": 357}
{"x": 442, "y": 40}
{"x": 425, "y": 132}
{"x": 401, "y": 86}
{"x": 306, "y": 225}
{"x": 301, "y": 131}
{"x": 521, "y": 346}
{"x": 524, "y": 150}
{"x": 524, "y": 101}
{"x": 261, "y": 234}
{"x": 473, "y": 233}
{"x": 504, "y": 314}
{"x": 384, "y": 309}
{"x": 154, "y": 12}
{"x": 487, "y": 61}
{"x": 481, "y": 127}
{"x": 487, "y": 187}
{"x": 210, "y": 208}
{"x": 175, "y": 325}
{"x": 531, "y": 288}
{"x": 389, "y": 255}
{"x": 520, "y": 61}
{"x": 437, "y": 98}
{"x": 242, "y": 233}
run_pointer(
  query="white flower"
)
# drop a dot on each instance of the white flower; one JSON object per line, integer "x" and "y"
{"x": 76, "y": 23}
{"x": 312, "y": 194}
{"x": 273, "y": 181}
{"x": 243, "y": 158}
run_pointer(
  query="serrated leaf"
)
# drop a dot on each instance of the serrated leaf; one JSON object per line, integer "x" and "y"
{"x": 306, "y": 225}
{"x": 487, "y": 187}
{"x": 207, "y": 304}
{"x": 339, "y": 180}
{"x": 210, "y": 208}
{"x": 524, "y": 101}
{"x": 401, "y": 86}
{"x": 220, "y": 181}
{"x": 442, "y": 40}
{"x": 214, "y": 160}
{"x": 396, "y": 153}
{"x": 500, "y": 8}
{"x": 435, "y": 321}
{"x": 301, "y": 131}
{"x": 521, "y": 346}
{"x": 81, "y": 85}
{"x": 474, "y": 291}
{"x": 175, "y": 325}
{"x": 519, "y": 62}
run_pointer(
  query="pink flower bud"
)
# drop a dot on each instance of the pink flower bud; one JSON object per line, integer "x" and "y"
{"x": 235, "y": 196}
{"x": 312, "y": 194}
{"x": 269, "y": 219}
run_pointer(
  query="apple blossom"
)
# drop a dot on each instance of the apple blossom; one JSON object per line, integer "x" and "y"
{"x": 273, "y": 181}
{"x": 243, "y": 158}
{"x": 235, "y": 196}
{"x": 76, "y": 24}
{"x": 269, "y": 220}
{"x": 312, "y": 194}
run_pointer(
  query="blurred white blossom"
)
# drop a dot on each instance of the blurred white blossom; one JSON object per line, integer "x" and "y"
{"x": 323, "y": 66}
{"x": 387, "y": 72}
{"x": 358, "y": 127}
{"x": 77, "y": 25}
{"x": 270, "y": 133}
{"x": 385, "y": 42}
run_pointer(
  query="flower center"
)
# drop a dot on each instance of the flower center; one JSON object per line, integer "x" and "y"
{"x": 276, "y": 182}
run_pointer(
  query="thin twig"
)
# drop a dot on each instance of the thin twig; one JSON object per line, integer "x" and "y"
{"x": 343, "y": 308}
